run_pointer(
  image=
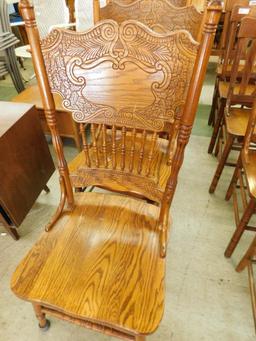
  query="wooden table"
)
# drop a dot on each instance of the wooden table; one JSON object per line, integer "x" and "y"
{"x": 25, "y": 163}
{"x": 66, "y": 125}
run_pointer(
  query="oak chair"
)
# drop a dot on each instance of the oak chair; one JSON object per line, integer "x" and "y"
{"x": 227, "y": 46}
{"x": 244, "y": 176}
{"x": 160, "y": 15}
{"x": 224, "y": 69}
{"x": 105, "y": 256}
{"x": 241, "y": 90}
{"x": 248, "y": 261}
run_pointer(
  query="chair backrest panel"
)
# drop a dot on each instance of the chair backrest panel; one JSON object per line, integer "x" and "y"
{"x": 139, "y": 80}
{"x": 243, "y": 82}
{"x": 159, "y": 15}
{"x": 235, "y": 17}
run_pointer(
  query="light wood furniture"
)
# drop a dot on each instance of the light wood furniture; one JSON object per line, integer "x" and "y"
{"x": 25, "y": 163}
{"x": 106, "y": 257}
{"x": 66, "y": 125}
{"x": 244, "y": 183}
{"x": 235, "y": 11}
{"x": 241, "y": 89}
{"x": 244, "y": 175}
{"x": 161, "y": 18}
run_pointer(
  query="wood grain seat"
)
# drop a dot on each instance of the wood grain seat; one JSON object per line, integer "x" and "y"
{"x": 107, "y": 252}
{"x": 237, "y": 121}
{"x": 158, "y": 168}
{"x": 224, "y": 87}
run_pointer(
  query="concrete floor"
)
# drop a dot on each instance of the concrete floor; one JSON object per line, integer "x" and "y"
{"x": 205, "y": 298}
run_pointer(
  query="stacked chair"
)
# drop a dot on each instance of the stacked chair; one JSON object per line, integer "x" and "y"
{"x": 234, "y": 106}
{"x": 8, "y": 60}
{"x": 163, "y": 17}
{"x": 238, "y": 90}
{"x": 101, "y": 262}
{"x": 243, "y": 186}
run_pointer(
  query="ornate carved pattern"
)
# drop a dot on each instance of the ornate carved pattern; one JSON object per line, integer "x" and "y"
{"x": 159, "y": 15}
{"x": 68, "y": 54}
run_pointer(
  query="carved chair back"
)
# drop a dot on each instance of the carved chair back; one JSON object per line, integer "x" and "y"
{"x": 131, "y": 86}
{"x": 159, "y": 15}
{"x": 129, "y": 83}
{"x": 242, "y": 85}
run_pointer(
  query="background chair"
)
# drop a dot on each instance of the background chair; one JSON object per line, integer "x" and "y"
{"x": 241, "y": 90}
{"x": 162, "y": 18}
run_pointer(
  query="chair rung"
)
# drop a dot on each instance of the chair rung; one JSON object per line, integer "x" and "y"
{"x": 250, "y": 228}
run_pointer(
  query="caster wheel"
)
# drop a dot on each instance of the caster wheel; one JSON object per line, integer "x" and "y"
{"x": 46, "y": 327}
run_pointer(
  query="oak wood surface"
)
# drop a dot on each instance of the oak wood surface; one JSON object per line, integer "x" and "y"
{"x": 106, "y": 253}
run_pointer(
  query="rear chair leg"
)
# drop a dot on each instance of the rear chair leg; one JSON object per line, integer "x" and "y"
{"x": 234, "y": 179}
{"x": 221, "y": 163}
{"x": 44, "y": 324}
{"x": 217, "y": 126}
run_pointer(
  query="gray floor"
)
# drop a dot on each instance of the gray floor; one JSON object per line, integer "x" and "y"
{"x": 205, "y": 298}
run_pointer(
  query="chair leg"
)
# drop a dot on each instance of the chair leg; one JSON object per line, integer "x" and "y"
{"x": 252, "y": 291}
{"x": 240, "y": 228}
{"x": 234, "y": 179}
{"x": 44, "y": 324}
{"x": 217, "y": 125}
{"x": 214, "y": 104}
{"x": 221, "y": 163}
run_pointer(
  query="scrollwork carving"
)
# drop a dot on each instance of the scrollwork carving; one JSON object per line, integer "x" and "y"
{"x": 168, "y": 57}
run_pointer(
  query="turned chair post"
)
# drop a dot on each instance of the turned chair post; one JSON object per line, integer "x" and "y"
{"x": 27, "y": 12}
{"x": 188, "y": 117}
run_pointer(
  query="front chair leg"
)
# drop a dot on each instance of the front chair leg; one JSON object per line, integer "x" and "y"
{"x": 44, "y": 324}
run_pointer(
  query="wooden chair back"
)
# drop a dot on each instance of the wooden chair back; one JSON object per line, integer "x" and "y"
{"x": 127, "y": 82}
{"x": 232, "y": 22}
{"x": 225, "y": 35}
{"x": 242, "y": 86}
{"x": 159, "y": 15}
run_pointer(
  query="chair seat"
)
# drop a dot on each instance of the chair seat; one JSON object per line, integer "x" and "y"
{"x": 99, "y": 263}
{"x": 237, "y": 121}
{"x": 160, "y": 170}
{"x": 250, "y": 171}
{"x": 224, "y": 86}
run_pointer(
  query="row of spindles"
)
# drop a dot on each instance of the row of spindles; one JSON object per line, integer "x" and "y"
{"x": 109, "y": 149}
